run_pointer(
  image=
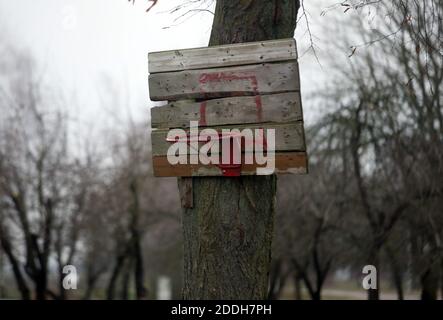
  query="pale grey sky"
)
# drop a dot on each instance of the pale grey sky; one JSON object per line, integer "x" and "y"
{"x": 94, "y": 49}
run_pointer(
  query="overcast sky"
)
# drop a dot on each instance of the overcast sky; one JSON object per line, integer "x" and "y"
{"x": 96, "y": 50}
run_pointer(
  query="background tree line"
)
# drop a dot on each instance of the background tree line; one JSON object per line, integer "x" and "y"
{"x": 374, "y": 194}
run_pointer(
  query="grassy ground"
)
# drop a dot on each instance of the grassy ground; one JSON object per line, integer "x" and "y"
{"x": 332, "y": 291}
{"x": 349, "y": 291}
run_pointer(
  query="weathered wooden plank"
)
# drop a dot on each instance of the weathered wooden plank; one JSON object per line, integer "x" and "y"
{"x": 225, "y": 82}
{"x": 222, "y": 56}
{"x": 288, "y": 137}
{"x": 282, "y": 107}
{"x": 287, "y": 162}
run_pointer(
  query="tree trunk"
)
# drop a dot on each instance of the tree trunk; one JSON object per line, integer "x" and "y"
{"x": 441, "y": 279}
{"x": 110, "y": 291}
{"x": 429, "y": 281}
{"x": 2, "y": 285}
{"x": 316, "y": 295}
{"x": 320, "y": 271}
{"x": 228, "y": 231}
{"x": 278, "y": 278}
{"x": 137, "y": 256}
{"x": 297, "y": 287}
{"x": 126, "y": 279}
{"x": 398, "y": 282}
{"x": 275, "y": 280}
{"x": 139, "y": 275}
{"x": 18, "y": 275}
{"x": 90, "y": 285}
{"x": 374, "y": 294}
{"x": 41, "y": 286}
{"x": 397, "y": 273}
{"x": 61, "y": 289}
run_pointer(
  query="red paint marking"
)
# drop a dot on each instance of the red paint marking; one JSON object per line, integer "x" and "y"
{"x": 231, "y": 170}
{"x": 263, "y": 139}
{"x": 202, "y": 121}
{"x": 227, "y": 76}
{"x": 258, "y": 105}
{"x": 231, "y": 76}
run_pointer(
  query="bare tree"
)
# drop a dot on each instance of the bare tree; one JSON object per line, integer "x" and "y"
{"x": 40, "y": 208}
{"x": 389, "y": 125}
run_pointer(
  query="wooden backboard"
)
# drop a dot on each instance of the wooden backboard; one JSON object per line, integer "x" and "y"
{"x": 247, "y": 87}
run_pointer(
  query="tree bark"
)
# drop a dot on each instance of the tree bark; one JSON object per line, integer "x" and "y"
{"x": 119, "y": 263}
{"x": 2, "y": 286}
{"x": 297, "y": 286}
{"x": 139, "y": 275}
{"x": 275, "y": 279}
{"x": 62, "y": 292}
{"x": 228, "y": 231}
{"x": 126, "y": 279}
{"x": 429, "y": 282}
{"x": 90, "y": 285}
{"x": 441, "y": 279}
{"x": 397, "y": 273}
{"x": 374, "y": 259}
{"x": 19, "y": 277}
